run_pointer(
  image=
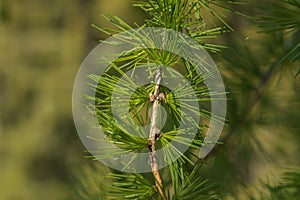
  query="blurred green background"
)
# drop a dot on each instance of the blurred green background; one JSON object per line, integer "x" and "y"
{"x": 42, "y": 44}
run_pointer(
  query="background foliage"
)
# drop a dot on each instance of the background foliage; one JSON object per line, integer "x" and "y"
{"x": 42, "y": 45}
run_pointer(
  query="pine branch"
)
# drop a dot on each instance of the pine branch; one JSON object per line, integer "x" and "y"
{"x": 287, "y": 187}
{"x": 282, "y": 16}
{"x": 184, "y": 16}
{"x": 155, "y": 133}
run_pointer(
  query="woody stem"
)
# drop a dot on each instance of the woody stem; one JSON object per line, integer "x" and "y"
{"x": 154, "y": 132}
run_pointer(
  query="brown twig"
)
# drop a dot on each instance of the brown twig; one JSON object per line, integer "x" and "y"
{"x": 155, "y": 133}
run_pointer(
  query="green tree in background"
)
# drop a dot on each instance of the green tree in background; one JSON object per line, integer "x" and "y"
{"x": 260, "y": 64}
{"x": 42, "y": 44}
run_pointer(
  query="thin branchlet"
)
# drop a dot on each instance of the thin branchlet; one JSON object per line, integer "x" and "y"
{"x": 155, "y": 133}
